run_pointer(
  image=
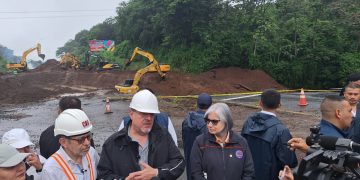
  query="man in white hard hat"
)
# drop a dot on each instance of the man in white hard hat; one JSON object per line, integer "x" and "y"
{"x": 142, "y": 149}
{"x": 12, "y": 166}
{"x": 75, "y": 159}
{"x": 20, "y": 139}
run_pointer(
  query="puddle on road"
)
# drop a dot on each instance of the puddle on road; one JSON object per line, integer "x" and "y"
{"x": 36, "y": 117}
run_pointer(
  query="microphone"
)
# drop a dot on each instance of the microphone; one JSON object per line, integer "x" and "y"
{"x": 83, "y": 170}
{"x": 334, "y": 143}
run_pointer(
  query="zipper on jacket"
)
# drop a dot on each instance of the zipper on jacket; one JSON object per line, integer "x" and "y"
{"x": 223, "y": 156}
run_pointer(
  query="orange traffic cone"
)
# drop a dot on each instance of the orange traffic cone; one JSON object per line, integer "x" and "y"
{"x": 107, "y": 106}
{"x": 302, "y": 101}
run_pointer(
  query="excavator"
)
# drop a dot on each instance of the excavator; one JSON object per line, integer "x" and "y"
{"x": 22, "y": 66}
{"x": 69, "y": 61}
{"x": 98, "y": 63}
{"x": 130, "y": 86}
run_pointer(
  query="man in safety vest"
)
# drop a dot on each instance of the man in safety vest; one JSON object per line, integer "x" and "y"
{"x": 75, "y": 159}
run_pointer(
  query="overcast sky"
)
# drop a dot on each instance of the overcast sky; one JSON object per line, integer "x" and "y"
{"x": 23, "y": 23}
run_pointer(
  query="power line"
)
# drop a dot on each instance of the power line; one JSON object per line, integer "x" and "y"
{"x": 53, "y": 11}
{"x": 48, "y": 17}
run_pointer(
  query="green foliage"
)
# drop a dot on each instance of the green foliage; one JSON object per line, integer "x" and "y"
{"x": 300, "y": 43}
{"x": 2, "y": 64}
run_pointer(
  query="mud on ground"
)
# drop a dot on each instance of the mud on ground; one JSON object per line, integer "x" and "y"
{"x": 49, "y": 80}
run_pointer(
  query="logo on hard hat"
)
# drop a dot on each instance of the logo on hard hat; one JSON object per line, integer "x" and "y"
{"x": 85, "y": 123}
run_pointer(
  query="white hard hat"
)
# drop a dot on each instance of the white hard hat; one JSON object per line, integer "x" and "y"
{"x": 72, "y": 122}
{"x": 145, "y": 101}
{"x": 17, "y": 138}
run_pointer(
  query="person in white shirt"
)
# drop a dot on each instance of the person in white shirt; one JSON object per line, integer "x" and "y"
{"x": 20, "y": 139}
{"x": 76, "y": 159}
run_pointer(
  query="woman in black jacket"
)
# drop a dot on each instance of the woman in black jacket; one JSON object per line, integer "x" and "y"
{"x": 221, "y": 154}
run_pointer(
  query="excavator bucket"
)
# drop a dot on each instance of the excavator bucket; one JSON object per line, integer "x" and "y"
{"x": 42, "y": 56}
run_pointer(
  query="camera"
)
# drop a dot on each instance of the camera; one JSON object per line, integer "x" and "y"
{"x": 329, "y": 158}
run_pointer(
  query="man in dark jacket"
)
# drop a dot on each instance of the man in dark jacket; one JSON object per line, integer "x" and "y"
{"x": 267, "y": 138}
{"x": 141, "y": 150}
{"x": 49, "y": 144}
{"x": 194, "y": 125}
{"x": 336, "y": 119}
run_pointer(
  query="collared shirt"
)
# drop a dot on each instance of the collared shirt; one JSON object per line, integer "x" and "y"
{"x": 219, "y": 141}
{"x": 267, "y": 112}
{"x": 328, "y": 129}
{"x": 143, "y": 150}
{"x": 170, "y": 129}
{"x": 53, "y": 171}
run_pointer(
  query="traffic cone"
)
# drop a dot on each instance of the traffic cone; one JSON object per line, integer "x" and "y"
{"x": 107, "y": 106}
{"x": 302, "y": 101}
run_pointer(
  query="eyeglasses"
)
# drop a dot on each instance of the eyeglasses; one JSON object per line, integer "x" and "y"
{"x": 213, "y": 121}
{"x": 81, "y": 139}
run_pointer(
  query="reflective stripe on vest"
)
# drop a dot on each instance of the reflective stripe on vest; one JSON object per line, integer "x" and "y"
{"x": 90, "y": 166}
{"x": 66, "y": 169}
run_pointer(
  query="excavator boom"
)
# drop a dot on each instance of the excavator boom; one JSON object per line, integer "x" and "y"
{"x": 22, "y": 66}
{"x": 131, "y": 86}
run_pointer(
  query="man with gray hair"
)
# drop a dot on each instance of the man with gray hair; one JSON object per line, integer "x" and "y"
{"x": 142, "y": 149}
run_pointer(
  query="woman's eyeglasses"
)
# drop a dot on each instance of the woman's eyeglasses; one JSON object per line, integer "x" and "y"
{"x": 213, "y": 121}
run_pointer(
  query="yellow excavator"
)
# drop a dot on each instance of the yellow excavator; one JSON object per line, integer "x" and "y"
{"x": 130, "y": 86}
{"x": 22, "y": 66}
{"x": 69, "y": 61}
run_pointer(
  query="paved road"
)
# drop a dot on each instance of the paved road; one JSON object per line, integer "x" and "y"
{"x": 289, "y": 101}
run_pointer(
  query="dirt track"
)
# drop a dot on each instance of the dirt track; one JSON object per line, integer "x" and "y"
{"x": 49, "y": 80}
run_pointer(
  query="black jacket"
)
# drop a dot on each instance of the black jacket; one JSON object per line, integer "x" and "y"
{"x": 231, "y": 162}
{"x": 120, "y": 155}
{"x": 192, "y": 126}
{"x": 267, "y": 138}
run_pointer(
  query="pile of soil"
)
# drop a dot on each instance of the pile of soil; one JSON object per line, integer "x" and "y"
{"x": 49, "y": 80}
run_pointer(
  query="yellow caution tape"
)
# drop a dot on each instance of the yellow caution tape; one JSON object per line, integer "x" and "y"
{"x": 247, "y": 93}
{"x": 222, "y": 95}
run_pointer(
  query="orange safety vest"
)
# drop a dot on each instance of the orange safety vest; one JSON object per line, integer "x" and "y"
{"x": 65, "y": 167}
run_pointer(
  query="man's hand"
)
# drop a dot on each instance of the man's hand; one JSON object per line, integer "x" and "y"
{"x": 286, "y": 174}
{"x": 33, "y": 160}
{"x": 298, "y": 143}
{"x": 146, "y": 174}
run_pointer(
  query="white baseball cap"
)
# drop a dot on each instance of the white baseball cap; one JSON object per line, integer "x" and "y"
{"x": 9, "y": 156}
{"x": 17, "y": 138}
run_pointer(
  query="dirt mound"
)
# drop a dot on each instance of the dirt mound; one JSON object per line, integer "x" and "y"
{"x": 49, "y": 80}
{"x": 49, "y": 65}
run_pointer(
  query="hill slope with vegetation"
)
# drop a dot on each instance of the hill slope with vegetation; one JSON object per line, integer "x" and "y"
{"x": 300, "y": 43}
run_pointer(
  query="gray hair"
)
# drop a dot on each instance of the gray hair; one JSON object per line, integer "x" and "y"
{"x": 223, "y": 111}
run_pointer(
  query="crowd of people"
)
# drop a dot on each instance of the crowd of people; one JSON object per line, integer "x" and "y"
{"x": 145, "y": 146}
